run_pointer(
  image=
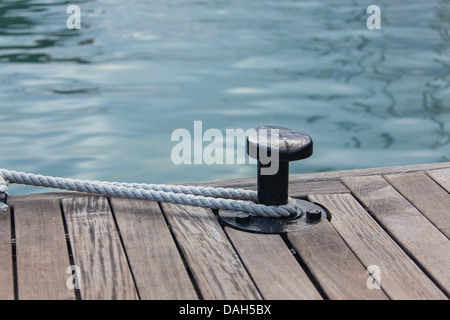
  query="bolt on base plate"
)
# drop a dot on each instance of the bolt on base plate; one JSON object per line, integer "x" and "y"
{"x": 308, "y": 215}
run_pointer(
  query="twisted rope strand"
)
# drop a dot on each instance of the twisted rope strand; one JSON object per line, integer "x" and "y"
{"x": 206, "y": 197}
{"x": 3, "y": 189}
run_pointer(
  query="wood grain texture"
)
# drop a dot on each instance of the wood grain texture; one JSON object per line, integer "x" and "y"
{"x": 215, "y": 266}
{"x": 400, "y": 277}
{"x": 303, "y": 189}
{"x": 336, "y": 175}
{"x": 333, "y": 265}
{"x": 49, "y": 196}
{"x": 426, "y": 195}
{"x": 97, "y": 250}
{"x": 6, "y": 262}
{"x": 158, "y": 269}
{"x": 415, "y": 233}
{"x": 42, "y": 256}
{"x": 441, "y": 176}
{"x": 272, "y": 266}
{"x": 326, "y": 176}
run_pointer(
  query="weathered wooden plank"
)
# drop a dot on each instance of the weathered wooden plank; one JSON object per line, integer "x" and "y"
{"x": 49, "y": 196}
{"x": 215, "y": 266}
{"x": 303, "y": 189}
{"x": 41, "y": 251}
{"x": 332, "y": 263}
{"x": 6, "y": 263}
{"x": 426, "y": 195}
{"x": 415, "y": 233}
{"x": 272, "y": 266}
{"x": 97, "y": 250}
{"x": 328, "y": 175}
{"x": 335, "y": 175}
{"x": 399, "y": 276}
{"x": 441, "y": 176}
{"x": 157, "y": 267}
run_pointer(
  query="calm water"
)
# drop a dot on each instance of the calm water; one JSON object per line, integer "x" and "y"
{"x": 102, "y": 102}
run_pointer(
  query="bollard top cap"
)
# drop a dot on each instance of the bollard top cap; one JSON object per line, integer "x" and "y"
{"x": 289, "y": 144}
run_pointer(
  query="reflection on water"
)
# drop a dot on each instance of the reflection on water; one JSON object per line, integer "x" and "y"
{"x": 101, "y": 102}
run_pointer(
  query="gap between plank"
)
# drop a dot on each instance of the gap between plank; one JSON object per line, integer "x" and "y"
{"x": 216, "y": 214}
{"x": 305, "y": 267}
{"x": 180, "y": 252}
{"x": 13, "y": 253}
{"x": 289, "y": 247}
{"x": 69, "y": 247}
{"x": 412, "y": 204}
{"x": 123, "y": 247}
{"x": 397, "y": 241}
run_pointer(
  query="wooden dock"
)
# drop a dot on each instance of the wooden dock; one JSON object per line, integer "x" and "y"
{"x": 394, "y": 222}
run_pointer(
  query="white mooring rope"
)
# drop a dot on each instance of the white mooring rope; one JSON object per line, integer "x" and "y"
{"x": 206, "y": 197}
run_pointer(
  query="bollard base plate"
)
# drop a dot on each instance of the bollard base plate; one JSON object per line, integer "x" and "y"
{"x": 309, "y": 215}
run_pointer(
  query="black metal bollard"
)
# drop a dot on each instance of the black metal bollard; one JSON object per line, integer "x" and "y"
{"x": 274, "y": 147}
